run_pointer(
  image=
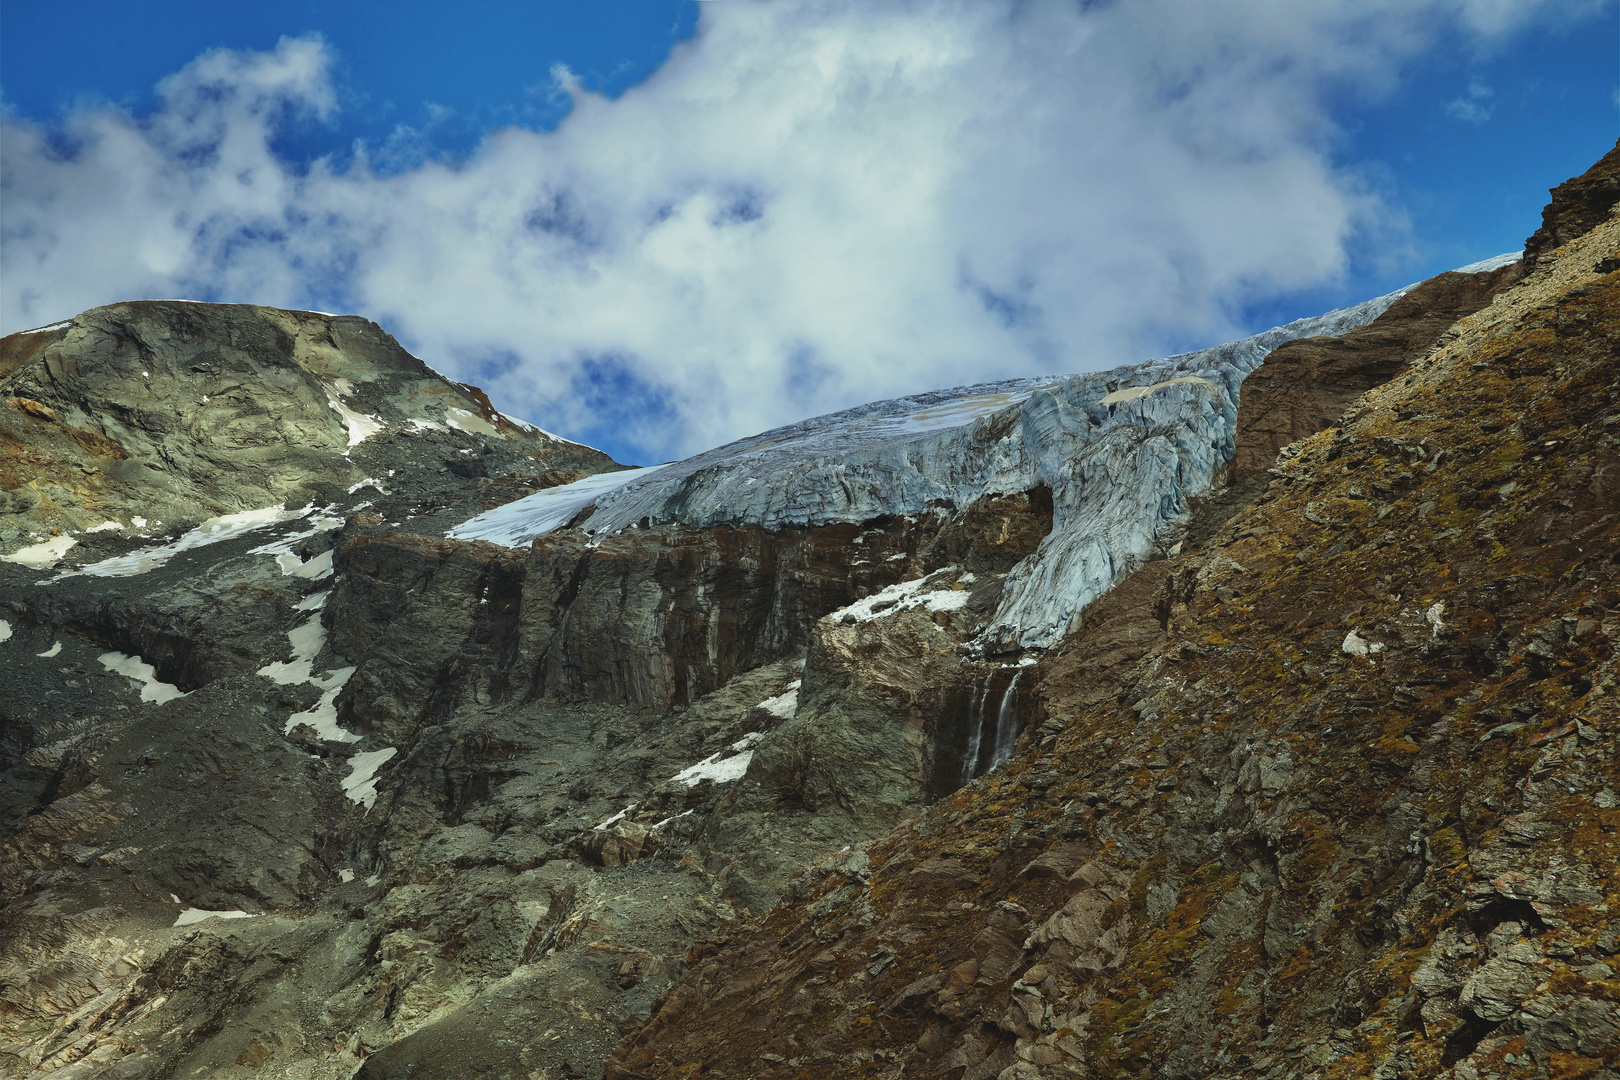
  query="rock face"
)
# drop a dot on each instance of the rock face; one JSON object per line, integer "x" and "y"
{"x": 1578, "y": 206}
{"x": 1306, "y": 384}
{"x": 1332, "y": 796}
{"x": 296, "y": 784}
{"x": 141, "y": 417}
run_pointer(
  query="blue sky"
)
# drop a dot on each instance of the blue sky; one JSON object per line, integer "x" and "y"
{"x": 654, "y": 225}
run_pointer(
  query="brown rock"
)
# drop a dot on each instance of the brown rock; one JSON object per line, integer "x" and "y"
{"x": 1305, "y": 385}
{"x": 1578, "y": 206}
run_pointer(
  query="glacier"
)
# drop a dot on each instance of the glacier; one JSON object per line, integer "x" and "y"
{"x": 1122, "y": 451}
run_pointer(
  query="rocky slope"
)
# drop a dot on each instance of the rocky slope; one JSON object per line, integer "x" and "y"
{"x": 391, "y": 753}
{"x": 1332, "y": 796}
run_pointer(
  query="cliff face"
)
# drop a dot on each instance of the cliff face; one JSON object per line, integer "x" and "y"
{"x": 1333, "y": 796}
{"x": 968, "y": 735}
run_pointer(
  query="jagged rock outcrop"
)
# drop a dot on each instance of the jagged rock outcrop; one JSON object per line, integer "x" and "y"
{"x": 1306, "y": 384}
{"x": 1578, "y": 206}
{"x": 1333, "y": 796}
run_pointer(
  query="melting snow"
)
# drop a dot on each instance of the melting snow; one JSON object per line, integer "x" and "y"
{"x": 782, "y": 706}
{"x": 418, "y": 425}
{"x": 714, "y": 767}
{"x": 152, "y": 688}
{"x": 368, "y": 482}
{"x": 47, "y": 654}
{"x": 212, "y": 531}
{"x": 673, "y": 817}
{"x": 5, "y": 631}
{"x": 105, "y": 526}
{"x": 361, "y": 426}
{"x": 197, "y": 915}
{"x": 53, "y": 326}
{"x": 42, "y": 556}
{"x": 903, "y": 597}
{"x": 345, "y": 876}
{"x": 470, "y": 422}
{"x": 361, "y": 785}
{"x": 1136, "y": 393}
{"x": 616, "y": 817}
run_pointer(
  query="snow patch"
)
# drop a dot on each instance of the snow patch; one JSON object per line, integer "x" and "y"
{"x": 616, "y": 817}
{"x": 419, "y": 425}
{"x": 197, "y": 915}
{"x": 714, "y": 767}
{"x": 470, "y": 422}
{"x": 518, "y": 523}
{"x": 361, "y": 784}
{"x": 905, "y": 596}
{"x": 42, "y": 556}
{"x": 47, "y": 654}
{"x": 672, "y": 817}
{"x": 105, "y": 526}
{"x": 369, "y": 481}
{"x": 361, "y": 425}
{"x": 45, "y": 329}
{"x": 313, "y": 602}
{"x": 782, "y": 706}
{"x": 152, "y": 688}
{"x": 5, "y": 631}
{"x": 345, "y": 876}
{"x": 213, "y": 531}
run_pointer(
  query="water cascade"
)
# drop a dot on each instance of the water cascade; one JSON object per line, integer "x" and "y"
{"x": 970, "y": 760}
{"x": 1006, "y": 727}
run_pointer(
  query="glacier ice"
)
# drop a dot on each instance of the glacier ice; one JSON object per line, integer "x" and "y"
{"x": 1121, "y": 450}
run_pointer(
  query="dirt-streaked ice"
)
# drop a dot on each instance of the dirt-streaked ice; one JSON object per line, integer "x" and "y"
{"x": 197, "y": 915}
{"x": 42, "y": 556}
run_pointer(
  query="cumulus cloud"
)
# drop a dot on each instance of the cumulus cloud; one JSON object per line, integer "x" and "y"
{"x": 813, "y": 203}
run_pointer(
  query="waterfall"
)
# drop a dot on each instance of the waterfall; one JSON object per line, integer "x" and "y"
{"x": 1006, "y": 727}
{"x": 970, "y": 760}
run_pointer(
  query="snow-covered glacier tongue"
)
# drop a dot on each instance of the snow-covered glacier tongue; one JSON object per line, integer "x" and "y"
{"x": 1122, "y": 452}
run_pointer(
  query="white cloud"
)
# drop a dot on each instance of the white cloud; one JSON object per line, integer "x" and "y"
{"x": 812, "y": 204}
{"x": 1475, "y": 108}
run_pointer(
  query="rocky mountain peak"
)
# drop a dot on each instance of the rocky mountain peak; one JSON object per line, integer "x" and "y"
{"x": 1241, "y": 713}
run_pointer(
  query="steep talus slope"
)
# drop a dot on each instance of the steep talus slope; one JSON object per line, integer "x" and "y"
{"x": 1334, "y": 796}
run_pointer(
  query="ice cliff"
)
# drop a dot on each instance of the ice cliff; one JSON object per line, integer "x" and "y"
{"x": 1122, "y": 452}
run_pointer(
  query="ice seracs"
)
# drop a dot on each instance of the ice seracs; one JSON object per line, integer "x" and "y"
{"x": 1122, "y": 452}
